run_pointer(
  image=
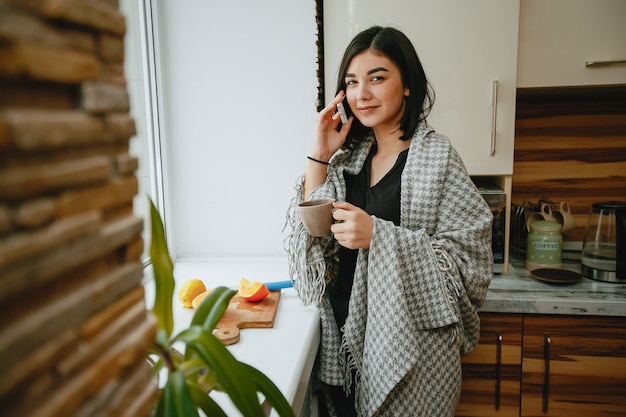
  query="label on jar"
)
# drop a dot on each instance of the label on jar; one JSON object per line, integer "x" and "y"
{"x": 542, "y": 252}
{"x": 547, "y": 245}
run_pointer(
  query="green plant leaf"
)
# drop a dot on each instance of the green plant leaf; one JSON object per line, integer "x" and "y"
{"x": 271, "y": 391}
{"x": 168, "y": 395}
{"x": 163, "y": 273}
{"x": 206, "y": 403}
{"x": 178, "y": 401}
{"x": 196, "y": 372}
{"x": 229, "y": 371}
{"x": 192, "y": 366}
{"x": 159, "y": 407}
{"x": 161, "y": 339}
{"x": 210, "y": 311}
{"x": 212, "y": 308}
{"x": 157, "y": 364}
{"x": 208, "y": 381}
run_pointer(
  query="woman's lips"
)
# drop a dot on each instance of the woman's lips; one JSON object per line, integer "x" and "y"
{"x": 366, "y": 109}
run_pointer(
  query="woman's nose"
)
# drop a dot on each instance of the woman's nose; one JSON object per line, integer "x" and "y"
{"x": 362, "y": 93}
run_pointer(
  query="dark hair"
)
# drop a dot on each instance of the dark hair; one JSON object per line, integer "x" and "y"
{"x": 398, "y": 48}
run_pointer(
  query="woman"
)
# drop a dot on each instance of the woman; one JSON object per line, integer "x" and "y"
{"x": 400, "y": 278}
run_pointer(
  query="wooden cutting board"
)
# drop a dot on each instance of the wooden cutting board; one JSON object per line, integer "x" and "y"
{"x": 242, "y": 314}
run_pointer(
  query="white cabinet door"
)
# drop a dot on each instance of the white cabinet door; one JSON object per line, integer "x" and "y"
{"x": 557, "y": 38}
{"x": 466, "y": 48}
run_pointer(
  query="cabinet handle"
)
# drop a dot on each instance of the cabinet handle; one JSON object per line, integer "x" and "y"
{"x": 546, "y": 372}
{"x": 604, "y": 63}
{"x": 494, "y": 115}
{"x": 498, "y": 368}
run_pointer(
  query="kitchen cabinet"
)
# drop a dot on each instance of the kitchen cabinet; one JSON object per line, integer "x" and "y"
{"x": 558, "y": 37}
{"x": 492, "y": 372}
{"x": 574, "y": 366}
{"x": 546, "y": 365}
{"x": 469, "y": 53}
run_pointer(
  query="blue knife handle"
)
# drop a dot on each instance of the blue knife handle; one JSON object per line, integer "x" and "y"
{"x": 278, "y": 285}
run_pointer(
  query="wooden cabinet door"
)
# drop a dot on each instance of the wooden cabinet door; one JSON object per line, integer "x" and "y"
{"x": 492, "y": 372}
{"x": 574, "y": 366}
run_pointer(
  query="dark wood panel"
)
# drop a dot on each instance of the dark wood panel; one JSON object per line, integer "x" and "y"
{"x": 570, "y": 169}
{"x": 611, "y": 122}
{"x": 538, "y": 141}
{"x": 570, "y": 145}
{"x": 569, "y": 157}
{"x": 491, "y": 388}
{"x": 574, "y": 366}
{"x": 584, "y": 100}
{"x": 559, "y": 189}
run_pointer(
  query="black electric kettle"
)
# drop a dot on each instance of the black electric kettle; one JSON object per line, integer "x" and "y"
{"x": 604, "y": 247}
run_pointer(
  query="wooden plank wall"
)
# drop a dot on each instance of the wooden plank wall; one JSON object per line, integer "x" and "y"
{"x": 570, "y": 145}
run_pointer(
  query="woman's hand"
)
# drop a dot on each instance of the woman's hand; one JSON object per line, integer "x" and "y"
{"x": 327, "y": 139}
{"x": 354, "y": 227}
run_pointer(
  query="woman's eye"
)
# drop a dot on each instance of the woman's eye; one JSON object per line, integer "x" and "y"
{"x": 376, "y": 79}
{"x": 350, "y": 82}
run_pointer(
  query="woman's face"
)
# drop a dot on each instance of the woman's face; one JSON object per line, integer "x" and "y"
{"x": 375, "y": 91}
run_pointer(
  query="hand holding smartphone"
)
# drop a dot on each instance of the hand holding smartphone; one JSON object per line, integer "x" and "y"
{"x": 342, "y": 113}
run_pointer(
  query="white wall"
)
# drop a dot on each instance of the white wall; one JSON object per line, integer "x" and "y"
{"x": 240, "y": 93}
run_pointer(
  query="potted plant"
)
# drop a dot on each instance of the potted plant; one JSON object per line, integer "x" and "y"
{"x": 206, "y": 364}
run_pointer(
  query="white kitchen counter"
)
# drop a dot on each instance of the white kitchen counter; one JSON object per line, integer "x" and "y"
{"x": 286, "y": 352}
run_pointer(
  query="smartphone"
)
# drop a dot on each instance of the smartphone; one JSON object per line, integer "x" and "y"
{"x": 342, "y": 113}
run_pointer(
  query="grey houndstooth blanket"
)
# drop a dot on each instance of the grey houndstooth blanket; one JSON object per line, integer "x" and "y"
{"x": 417, "y": 289}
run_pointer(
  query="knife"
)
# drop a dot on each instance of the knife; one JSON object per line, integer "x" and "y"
{"x": 278, "y": 285}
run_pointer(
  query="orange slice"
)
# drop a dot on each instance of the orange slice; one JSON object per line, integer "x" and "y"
{"x": 199, "y": 299}
{"x": 190, "y": 290}
{"x": 252, "y": 291}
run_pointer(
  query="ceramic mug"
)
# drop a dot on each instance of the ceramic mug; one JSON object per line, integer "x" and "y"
{"x": 317, "y": 216}
{"x": 545, "y": 213}
{"x": 564, "y": 217}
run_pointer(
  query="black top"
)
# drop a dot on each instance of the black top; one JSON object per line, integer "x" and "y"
{"x": 382, "y": 200}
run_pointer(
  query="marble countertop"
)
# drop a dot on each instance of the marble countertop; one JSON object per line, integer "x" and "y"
{"x": 518, "y": 292}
